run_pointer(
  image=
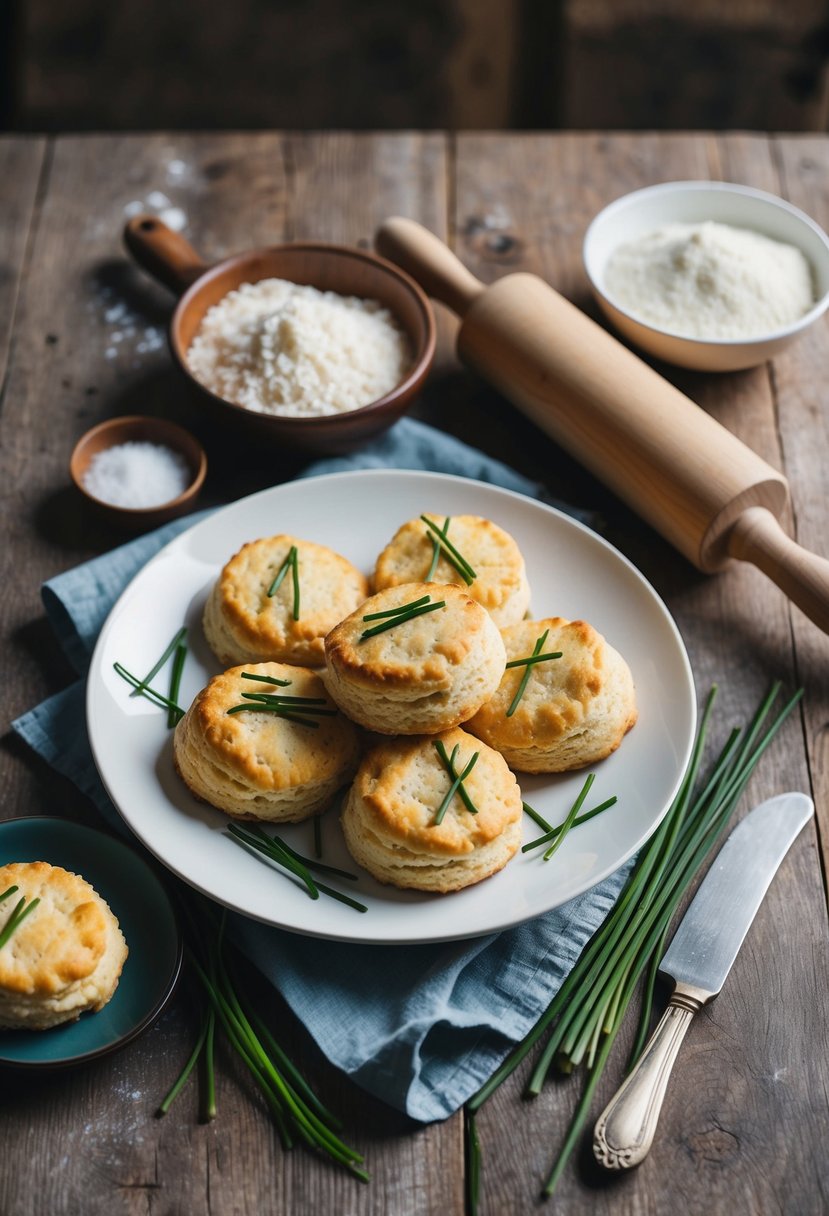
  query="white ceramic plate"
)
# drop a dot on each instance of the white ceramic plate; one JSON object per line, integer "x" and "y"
{"x": 572, "y": 572}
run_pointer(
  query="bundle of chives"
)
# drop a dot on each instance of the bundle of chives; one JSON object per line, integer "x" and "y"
{"x": 296, "y": 1109}
{"x": 584, "y": 1017}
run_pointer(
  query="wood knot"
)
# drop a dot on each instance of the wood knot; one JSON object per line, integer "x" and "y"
{"x": 714, "y": 1146}
{"x": 488, "y": 236}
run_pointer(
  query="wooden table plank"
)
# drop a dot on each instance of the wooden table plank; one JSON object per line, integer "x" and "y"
{"x": 21, "y": 170}
{"x": 536, "y": 195}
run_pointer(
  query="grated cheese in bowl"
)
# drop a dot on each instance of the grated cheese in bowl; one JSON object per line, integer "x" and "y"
{"x": 277, "y": 347}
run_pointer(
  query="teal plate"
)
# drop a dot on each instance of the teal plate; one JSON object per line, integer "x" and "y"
{"x": 147, "y": 920}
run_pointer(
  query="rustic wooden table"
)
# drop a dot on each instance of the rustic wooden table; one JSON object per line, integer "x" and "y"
{"x": 745, "y": 1126}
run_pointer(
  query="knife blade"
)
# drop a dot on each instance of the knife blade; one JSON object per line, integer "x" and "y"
{"x": 698, "y": 961}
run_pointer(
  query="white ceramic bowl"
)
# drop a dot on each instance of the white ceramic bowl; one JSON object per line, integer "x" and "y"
{"x": 636, "y": 214}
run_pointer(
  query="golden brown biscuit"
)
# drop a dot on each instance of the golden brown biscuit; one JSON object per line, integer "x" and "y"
{"x": 243, "y": 624}
{"x": 421, "y": 676}
{"x": 575, "y": 710}
{"x": 501, "y": 583}
{"x": 389, "y": 815}
{"x": 66, "y": 956}
{"x": 260, "y": 765}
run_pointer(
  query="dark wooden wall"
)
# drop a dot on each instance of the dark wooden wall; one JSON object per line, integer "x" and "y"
{"x": 363, "y": 64}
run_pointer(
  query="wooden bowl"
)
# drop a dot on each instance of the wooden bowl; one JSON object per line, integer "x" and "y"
{"x": 349, "y": 272}
{"x": 139, "y": 429}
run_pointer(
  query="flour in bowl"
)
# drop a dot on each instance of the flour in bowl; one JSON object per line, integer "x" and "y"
{"x": 281, "y": 348}
{"x": 710, "y": 281}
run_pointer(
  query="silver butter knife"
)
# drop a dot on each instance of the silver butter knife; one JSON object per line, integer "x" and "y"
{"x": 698, "y": 960}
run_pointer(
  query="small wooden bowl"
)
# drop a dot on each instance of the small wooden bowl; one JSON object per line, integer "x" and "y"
{"x": 139, "y": 429}
{"x": 349, "y": 272}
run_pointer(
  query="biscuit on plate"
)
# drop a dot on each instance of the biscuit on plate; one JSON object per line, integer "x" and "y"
{"x": 422, "y": 675}
{"x": 257, "y": 764}
{"x": 574, "y": 710}
{"x": 244, "y": 624}
{"x": 389, "y": 815}
{"x": 500, "y": 584}
{"x": 66, "y": 956}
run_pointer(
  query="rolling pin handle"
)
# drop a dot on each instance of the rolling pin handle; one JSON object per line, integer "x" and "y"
{"x": 431, "y": 263}
{"x": 757, "y": 537}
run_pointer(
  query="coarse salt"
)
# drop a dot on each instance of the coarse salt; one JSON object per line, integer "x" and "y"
{"x": 277, "y": 347}
{"x": 136, "y": 475}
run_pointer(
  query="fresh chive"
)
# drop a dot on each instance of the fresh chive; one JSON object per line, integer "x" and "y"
{"x": 19, "y": 913}
{"x": 539, "y": 819}
{"x": 473, "y": 1163}
{"x": 277, "y": 698}
{"x": 9, "y": 891}
{"x": 279, "y": 710}
{"x": 156, "y": 698}
{"x": 455, "y": 558}
{"x": 568, "y": 822}
{"x": 295, "y": 578}
{"x": 551, "y": 832}
{"x": 156, "y": 668}
{"x": 380, "y": 616}
{"x": 174, "y": 717}
{"x": 310, "y": 862}
{"x": 209, "y": 1105}
{"x": 454, "y": 787}
{"x": 249, "y": 675}
{"x": 532, "y": 659}
{"x": 526, "y": 676}
{"x": 281, "y": 572}
{"x": 317, "y": 836}
{"x": 436, "y": 551}
{"x": 184, "y": 1075}
{"x": 583, "y": 1019}
{"x": 401, "y": 620}
{"x": 297, "y": 1112}
{"x": 276, "y": 850}
{"x": 448, "y": 763}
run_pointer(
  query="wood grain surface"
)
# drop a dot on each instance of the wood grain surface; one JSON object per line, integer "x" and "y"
{"x": 745, "y": 1123}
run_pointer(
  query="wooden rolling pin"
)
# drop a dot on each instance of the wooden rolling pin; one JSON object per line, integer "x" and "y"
{"x": 689, "y": 477}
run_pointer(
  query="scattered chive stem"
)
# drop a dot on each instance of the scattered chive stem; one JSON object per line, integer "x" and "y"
{"x": 454, "y": 557}
{"x": 174, "y": 717}
{"x": 532, "y": 659}
{"x": 380, "y": 616}
{"x": 552, "y": 832}
{"x": 249, "y": 675}
{"x": 526, "y": 676}
{"x": 448, "y": 763}
{"x": 151, "y": 694}
{"x": 18, "y": 914}
{"x": 583, "y": 1019}
{"x": 295, "y": 709}
{"x": 276, "y": 850}
{"x": 156, "y": 668}
{"x": 571, "y": 817}
{"x": 407, "y": 613}
{"x": 456, "y": 784}
{"x": 8, "y": 891}
{"x": 436, "y": 551}
{"x": 291, "y": 563}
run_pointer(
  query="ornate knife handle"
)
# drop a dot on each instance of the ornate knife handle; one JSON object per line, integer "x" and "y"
{"x": 625, "y": 1130}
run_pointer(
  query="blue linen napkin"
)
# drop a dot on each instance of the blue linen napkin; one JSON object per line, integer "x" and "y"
{"x": 421, "y": 1027}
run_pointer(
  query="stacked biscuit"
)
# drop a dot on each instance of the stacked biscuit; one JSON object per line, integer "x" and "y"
{"x": 63, "y": 959}
{"x": 441, "y": 644}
